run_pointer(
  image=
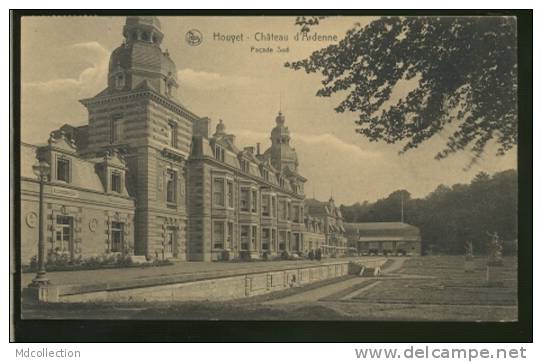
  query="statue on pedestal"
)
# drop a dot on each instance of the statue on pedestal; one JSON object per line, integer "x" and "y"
{"x": 469, "y": 251}
{"x": 469, "y": 257}
{"x": 495, "y": 250}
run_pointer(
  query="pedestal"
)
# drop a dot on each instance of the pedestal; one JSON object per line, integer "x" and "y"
{"x": 494, "y": 275}
{"x": 40, "y": 293}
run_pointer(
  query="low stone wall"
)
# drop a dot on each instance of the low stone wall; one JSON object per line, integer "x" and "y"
{"x": 212, "y": 289}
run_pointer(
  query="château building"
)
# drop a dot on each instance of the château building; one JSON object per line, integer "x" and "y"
{"x": 146, "y": 175}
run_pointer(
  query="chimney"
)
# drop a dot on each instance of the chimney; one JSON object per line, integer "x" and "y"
{"x": 258, "y": 148}
{"x": 200, "y": 127}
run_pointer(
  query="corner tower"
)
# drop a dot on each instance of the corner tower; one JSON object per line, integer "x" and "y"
{"x": 282, "y": 155}
{"x": 139, "y": 114}
{"x": 140, "y": 58}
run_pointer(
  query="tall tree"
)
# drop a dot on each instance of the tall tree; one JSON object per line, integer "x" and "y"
{"x": 463, "y": 70}
{"x": 450, "y": 216}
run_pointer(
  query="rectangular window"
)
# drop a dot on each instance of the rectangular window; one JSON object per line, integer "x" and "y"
{"x": 244, "y": 199}
{"x": 289, "y": 240}
{"x": 218, "y": 234}
{"x": 116, "y": 182}
{"x": 171, "y": 186}
{"x": 245, "y": 236}
{"x": 297, "y": 242}
{"x": 254, "y": 201}
{"x": 296, "y": 214}
{"x": 283, "y": 210}
{"x": 265, "y": 205}
{"x": 117, "y": 236}
{"x": 219, "y": 153}
{"x": 266, "y": 236}
{"x": 63, "y": 170}
{"x": 218, "y": 192}
{"x": 273, "y": 206}
{"x": 288, "y": 214}
{"x": 229, "y": 238}
{"x": 63, "y": 233}
{"x": 282, "y": 240}
{"x": 274, "y": 239}
{"x": 115, "y": 129}
{"x": 173, "y": 134}
{"x": 230, "y": 194}
{"x": 254, "y": 237}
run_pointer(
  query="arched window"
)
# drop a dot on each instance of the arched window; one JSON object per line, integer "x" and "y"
{"x": 119, "y": 81}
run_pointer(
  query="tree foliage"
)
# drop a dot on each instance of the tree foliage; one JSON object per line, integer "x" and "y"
{"x": 450, "y": 216}
{"x": 463, "y": 71}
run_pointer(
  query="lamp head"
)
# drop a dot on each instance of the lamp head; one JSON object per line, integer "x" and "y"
{"x": 41, "y": 169}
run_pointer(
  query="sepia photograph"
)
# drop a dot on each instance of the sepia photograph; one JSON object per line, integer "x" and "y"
{"x": 274, "y": 167}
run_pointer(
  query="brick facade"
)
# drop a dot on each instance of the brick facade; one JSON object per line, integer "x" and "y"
{"x": 184, "y": 194}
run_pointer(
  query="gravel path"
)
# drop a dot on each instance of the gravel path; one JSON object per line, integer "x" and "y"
{"x": 316, "y": 294}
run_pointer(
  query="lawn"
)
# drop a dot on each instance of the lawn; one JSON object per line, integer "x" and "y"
{"x": 450, "y": 284}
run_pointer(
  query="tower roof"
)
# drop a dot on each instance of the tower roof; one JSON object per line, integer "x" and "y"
{"x": 280, "y": 129}
{"x": 140, "y": 59}
{"x": 142, "y": 24}
{"x": 143, "y": 21}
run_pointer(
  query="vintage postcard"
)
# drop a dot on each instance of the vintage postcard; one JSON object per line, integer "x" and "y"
{"x": 279, "y": 167}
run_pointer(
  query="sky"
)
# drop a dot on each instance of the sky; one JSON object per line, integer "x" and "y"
{"x": 65, "y": 59}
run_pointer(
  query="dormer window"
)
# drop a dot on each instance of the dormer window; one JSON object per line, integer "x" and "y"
{"x": 265, "y": 174}
{"x": 245, "y": 166}
{"x": 219, "y": 153}
{"x": 116, "y": 185}
{"x": 281, "y": 181}
{"x": 63, "y": 170}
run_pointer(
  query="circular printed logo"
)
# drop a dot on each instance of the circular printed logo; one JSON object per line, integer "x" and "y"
{"x": 194, "y": 37}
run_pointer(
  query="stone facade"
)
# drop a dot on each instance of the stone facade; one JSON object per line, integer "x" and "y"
{"x": 83, "y": 215}
{"x": 331, "y": 220}
{"x": 148, "y": 165}
{"x": 240, "y": 204}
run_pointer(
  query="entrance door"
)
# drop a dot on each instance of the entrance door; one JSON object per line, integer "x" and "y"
{"x": 64, "y": 235}
{"x": 171, "y": 241}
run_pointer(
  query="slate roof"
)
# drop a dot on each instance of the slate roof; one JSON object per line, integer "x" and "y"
{"x": 391, "y": 230}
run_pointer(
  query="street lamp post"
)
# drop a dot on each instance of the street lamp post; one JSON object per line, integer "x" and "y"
{"x": 42, "y": 170}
